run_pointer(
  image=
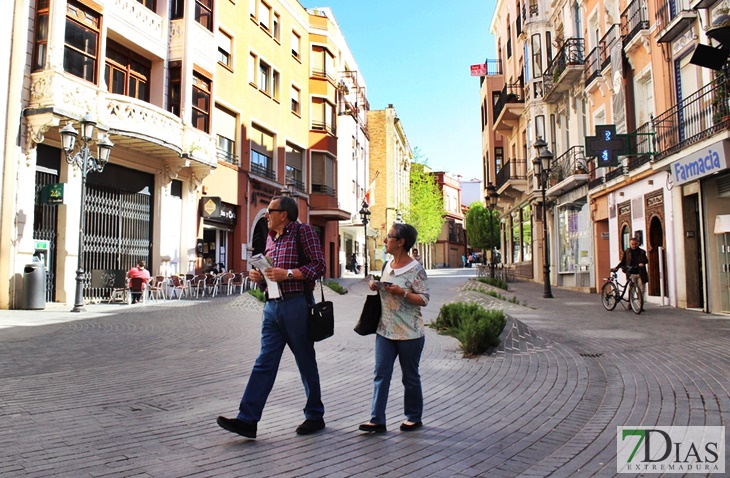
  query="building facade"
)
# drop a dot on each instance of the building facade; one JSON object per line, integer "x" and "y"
{"x": 632, "y": 156}
{"x": 390, "y": 160}
{"x": 451, "y": 243}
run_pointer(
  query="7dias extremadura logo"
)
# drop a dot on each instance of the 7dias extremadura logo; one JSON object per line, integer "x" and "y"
{"x": 670, "y": 449}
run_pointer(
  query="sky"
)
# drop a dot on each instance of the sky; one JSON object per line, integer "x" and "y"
{"x": 416, "y": 54}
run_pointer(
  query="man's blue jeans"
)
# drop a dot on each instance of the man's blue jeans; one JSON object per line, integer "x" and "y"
{"x": 285, "y": 323}
{"x": 409, "y": 356}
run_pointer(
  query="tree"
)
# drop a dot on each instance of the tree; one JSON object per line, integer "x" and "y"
{"x": 482, "y": 226}
{"x": 426, "y": 210}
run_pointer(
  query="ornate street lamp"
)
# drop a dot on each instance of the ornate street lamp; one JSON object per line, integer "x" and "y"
{"x": 365, "y": 218}
{"x": 492, "y": 197}
{"x": 541, "y": 164}
{"x": 86, "y": 163}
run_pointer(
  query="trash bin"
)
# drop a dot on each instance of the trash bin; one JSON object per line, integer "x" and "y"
{"x": 34, "y": 286}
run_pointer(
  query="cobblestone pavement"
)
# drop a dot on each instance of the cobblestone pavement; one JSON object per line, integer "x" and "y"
{"x": 134, "y": 391}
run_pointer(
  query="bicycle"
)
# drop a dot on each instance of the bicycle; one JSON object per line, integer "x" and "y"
{"x": 610, "y": 296}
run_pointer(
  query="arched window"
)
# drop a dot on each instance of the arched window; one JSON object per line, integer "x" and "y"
{"x": 625, "y": 237}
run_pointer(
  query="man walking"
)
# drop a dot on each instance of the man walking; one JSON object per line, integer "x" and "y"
{"x": 298, "y": 260}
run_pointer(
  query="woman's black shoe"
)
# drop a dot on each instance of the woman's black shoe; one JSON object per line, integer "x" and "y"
{"x": 405, "y": 427}
{"x": 372, "y": 428}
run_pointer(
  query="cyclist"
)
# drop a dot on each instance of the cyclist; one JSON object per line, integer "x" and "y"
{"x": 634, "y": 261}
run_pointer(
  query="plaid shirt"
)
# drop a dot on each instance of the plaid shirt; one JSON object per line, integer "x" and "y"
{"x": 284, "y": 253}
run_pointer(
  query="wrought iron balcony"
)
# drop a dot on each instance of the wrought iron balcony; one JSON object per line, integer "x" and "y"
{"x": 642, "y": 146}
{"x": 513, "y": 170}
{"x": 634, "y": 20}
{"x": 568, "y": 171}
{"x": 565, "y": 69}
{"x": 697, "y": 117}
{"x": 609, "y": 40}
{"x": 673, "y": 18}
{"x": 226, "y": 156}
{"x": 322, "y": 126}
{"x": 593, "y": 65}
{"x": 509, "y": 108}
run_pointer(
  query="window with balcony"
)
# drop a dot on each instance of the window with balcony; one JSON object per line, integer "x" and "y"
{"x": 323, "y": 173}
{"x": 323, "y": 115}
{"x": 296, "y": 42}
{"x": 498, "y": 159}
{"x": 295, "y": 166}
{"x": 323, "y": 63}
{"x": 225, "y": 47}
{"x": 296, "y": 98}
{"x": 126, "y": 73}
{"x": 81, "y": 43}
{"x": 264, "y": 82}
{"x": 40, "y": 48}
{"x": 204, "y": 13}
{"x": 201, "y": 102}
{"x": 174, "y": 76}
{"x": 262, "y": 152}
{"x": 226, "y": 126}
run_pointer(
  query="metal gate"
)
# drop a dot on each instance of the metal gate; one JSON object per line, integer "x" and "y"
{"x": 118, "y": 233}
{"x": 45, "y": 224}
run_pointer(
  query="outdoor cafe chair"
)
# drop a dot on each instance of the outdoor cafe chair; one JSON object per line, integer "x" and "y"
{"x": 197, "y": 285}
{"x": 225, "y": 282}
{"x": 137, "y": 285}
{"x": 179, "y": 287}
{"x": 155, "y": 288}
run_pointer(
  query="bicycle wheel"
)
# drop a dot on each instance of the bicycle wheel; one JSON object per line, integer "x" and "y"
{"x": 609, "y": 296}
{"x": 636, "y": 298}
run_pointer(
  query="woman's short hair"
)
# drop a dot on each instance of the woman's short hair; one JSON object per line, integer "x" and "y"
{"x": 406, "y": 232}
{"x": 288, "y": 204}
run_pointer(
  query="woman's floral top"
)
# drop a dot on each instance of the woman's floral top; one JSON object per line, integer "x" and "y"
{"x": 402, "y": 320}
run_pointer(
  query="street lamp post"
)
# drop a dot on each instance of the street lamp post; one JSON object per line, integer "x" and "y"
{"x": 541, "y": 165}
{"x": 365, "y": 217}
{"x": 85, "y": 162}
{"x": 492, "y": 196}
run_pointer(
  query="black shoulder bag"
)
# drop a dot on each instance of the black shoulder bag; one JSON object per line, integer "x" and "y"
{"x": 371, "y": 313}
{"x": 321, "y": 318}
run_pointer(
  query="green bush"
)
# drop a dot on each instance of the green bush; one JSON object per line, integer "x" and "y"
{"x": 336, "y": 287}
{"x": 476, "y": 328}
{"x": 260, "y": 295}
{"x": 494, "y": 282}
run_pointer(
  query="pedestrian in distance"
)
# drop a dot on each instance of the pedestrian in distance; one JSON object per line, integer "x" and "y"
{"x": 285, "y": 319}
{"x": 634, "y": 261}
{"x": 355, "y": 266}
{"x": 463, "y": 259}
{"x": 139, "y": 272}
{"x": 403, "y": 290}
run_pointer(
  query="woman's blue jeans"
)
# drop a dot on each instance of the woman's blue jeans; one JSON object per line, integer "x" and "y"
{"x": 409, "y": 356}
{"x": 285, "y": 323}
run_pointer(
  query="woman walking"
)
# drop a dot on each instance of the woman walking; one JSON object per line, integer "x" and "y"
{"x": 400, "y": 332}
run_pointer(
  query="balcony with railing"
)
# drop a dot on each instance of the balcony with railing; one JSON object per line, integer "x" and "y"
{"x": 593, "y": 67}
{"x": 508, "y": 108}
{"x": 642, "y": 146}
{"x": 226, "y": 156}
{"x": 512, "y": 178}
{"x": 608, "y": 42}
{"x": 323, "y": 126}
{"x": 263, "y": 171}
{"x": 323, "y": 189}
{"x": 635, "y": 25}
{"x": 673, "y": 18}
{"x": 494, "y": 68}
{"x": 569, "y": 171}
{"x": 699, "y": 116}
{"x": 565, "y": 69}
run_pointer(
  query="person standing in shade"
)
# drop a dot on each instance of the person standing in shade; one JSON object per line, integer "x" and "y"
{"x": 355, "y": 266}
{"x": 285, "y": 319}
{"x": 139, "y": 272}
{"x": 400, "y": 332}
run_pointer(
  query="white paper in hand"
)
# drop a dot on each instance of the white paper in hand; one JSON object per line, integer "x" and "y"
{"x": 261, "y": 262}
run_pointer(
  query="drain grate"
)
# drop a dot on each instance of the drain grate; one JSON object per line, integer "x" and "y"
{"x": 591, "y": 355}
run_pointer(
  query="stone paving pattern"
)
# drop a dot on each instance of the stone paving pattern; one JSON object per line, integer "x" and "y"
{"x": 134, "y": 391}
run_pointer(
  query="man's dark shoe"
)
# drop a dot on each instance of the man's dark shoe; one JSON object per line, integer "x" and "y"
{"x": 234, "y": 425}
{"x": 310, "y": 426}
{"x": 372, "y": 428}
